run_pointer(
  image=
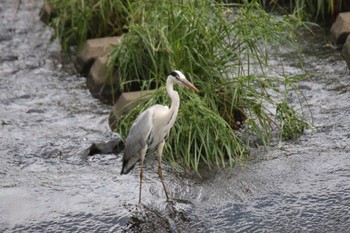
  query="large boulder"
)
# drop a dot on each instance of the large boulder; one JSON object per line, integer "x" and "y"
{"x": 100, "y": 85}
{"x": 125, "y": 103}
{"x": 93, "y": 49}
{"x": 340, "y": 29}
{"x": 46, "y": 12}
{"x": 345, "y": 52}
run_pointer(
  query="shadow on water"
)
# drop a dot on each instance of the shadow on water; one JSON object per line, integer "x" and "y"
{"x": 59, "y": 168}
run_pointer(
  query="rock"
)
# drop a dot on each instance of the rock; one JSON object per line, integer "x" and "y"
{"x": 345, "y": 52}
{"x": 46, "y": 13}
{"x": 125, "y": 103}
{"x": 35, "y": 111}
{"x": 112, "y": 144}
{"x": 98, "y": 83}
{"x": 8, "y": 57}
{"x": 93, "y": 49}
{"x": 98, "y": 71}
{"x": 340, "y": 29}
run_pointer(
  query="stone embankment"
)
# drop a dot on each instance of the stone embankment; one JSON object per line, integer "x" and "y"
{"x": 339, "y": 35}
{"x": 92, "y": 62}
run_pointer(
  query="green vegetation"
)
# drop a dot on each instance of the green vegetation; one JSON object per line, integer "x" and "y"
{"x": 75, "y": 21}
{"x": 223, "y": 49}
{"x": 225, "y": 54}
{"x": 289, "y": 120}
{"x": 310, "y": 9}
{"x": 318, "y": 8}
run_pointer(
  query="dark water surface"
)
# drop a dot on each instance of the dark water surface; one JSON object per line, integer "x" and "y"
{"x": 49, "y": 121}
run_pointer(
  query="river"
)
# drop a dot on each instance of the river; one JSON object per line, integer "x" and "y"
{"x": 50, "y": 182}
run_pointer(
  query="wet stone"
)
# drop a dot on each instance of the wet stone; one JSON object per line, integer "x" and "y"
{"x": 98, "y": 71}
{"x": 345, "y": 52}
{"x": 48, "y": 152}
{"x": 5, "y": 122}
{"x": 8, "y": 57}
{"x": 93, "y": 49}
{"x": 340, "y": 29}
{"x": 25, "y": 96}
{"x": 98, "y": 83}
{"x": 46, "y": 13}
{"x": 126, "y": 102}
{"x": 304, "y": 87}
{"x": 112, "y": 145}
{"x": 35, "y": 111}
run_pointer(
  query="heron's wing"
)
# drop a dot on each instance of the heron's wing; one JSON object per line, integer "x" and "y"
{"x": 138, "y": 134}
{"x": 142, "y": 133}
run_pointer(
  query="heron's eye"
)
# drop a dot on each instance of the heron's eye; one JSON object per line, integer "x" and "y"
{"x": 175, "y": 75}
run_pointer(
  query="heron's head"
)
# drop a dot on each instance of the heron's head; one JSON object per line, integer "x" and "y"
{"x": 179, "y": 78}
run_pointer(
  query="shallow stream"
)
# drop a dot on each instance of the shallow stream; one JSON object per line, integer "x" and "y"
{"x": 49, "y": 183}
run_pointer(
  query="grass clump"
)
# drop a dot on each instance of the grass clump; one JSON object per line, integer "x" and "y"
{"x": 309, "y": 9}
{"x": 75, "y": 21}
{"x": 291, "y": 123}
{"x": 199, "y": 134}
{"x": 318, "y": 8}
{"x": 225, "y": 54}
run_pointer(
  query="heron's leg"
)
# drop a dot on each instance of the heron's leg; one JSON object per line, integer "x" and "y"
{"x": 159, "y": 157}
{"x": 143, "y": 154}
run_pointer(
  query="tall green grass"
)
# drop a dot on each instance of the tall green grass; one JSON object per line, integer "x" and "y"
{"x": 319, "y": 8}
{"x": 75, "y": 21}
{"x": 224, "y": 52}
{"x": 310, "y": 9}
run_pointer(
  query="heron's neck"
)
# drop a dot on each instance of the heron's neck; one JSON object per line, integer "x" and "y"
{"x": 175, "y": 100}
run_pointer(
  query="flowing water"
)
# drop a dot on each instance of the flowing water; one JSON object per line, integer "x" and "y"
{"x": 53, "y": 179}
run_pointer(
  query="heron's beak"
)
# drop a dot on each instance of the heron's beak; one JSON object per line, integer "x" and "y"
{"x": 186, "y": 83}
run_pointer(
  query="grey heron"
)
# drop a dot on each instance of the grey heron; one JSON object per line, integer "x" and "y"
{"x": 151, "y": 128}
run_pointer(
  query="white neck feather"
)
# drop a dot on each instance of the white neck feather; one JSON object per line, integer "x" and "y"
{"x": 175, "y": 101}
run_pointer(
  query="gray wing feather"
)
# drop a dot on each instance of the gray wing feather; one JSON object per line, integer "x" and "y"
{"x": 143, "y": 132}
{"x": 137, "y": 139}
{"x": 138, "y": 134}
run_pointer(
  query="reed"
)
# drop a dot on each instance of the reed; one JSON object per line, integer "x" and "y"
{"x": 225, "y": 53}
{"x": 75, "y": 21}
